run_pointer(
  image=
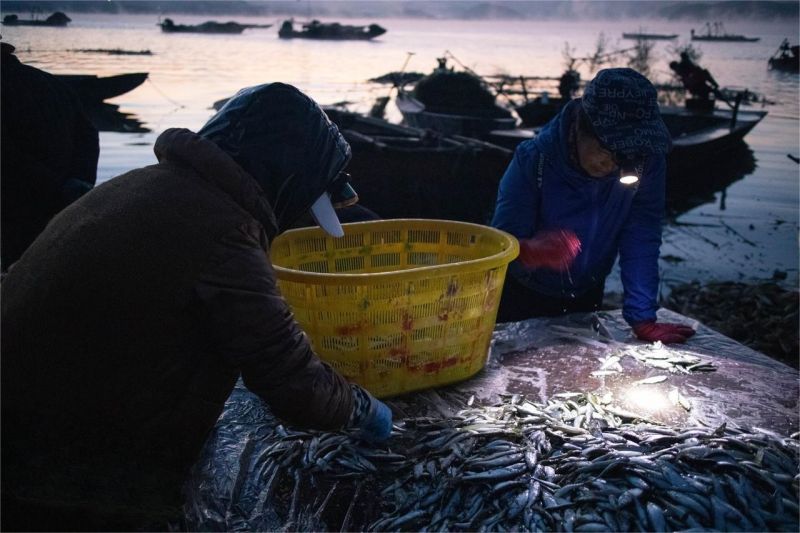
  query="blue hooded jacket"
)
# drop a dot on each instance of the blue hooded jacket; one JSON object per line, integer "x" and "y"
{"x": 542, "y": 190}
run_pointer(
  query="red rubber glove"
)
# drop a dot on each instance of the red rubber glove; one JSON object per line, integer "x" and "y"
{"x": 553, "y": 249}
{"x": 666, "y": 333}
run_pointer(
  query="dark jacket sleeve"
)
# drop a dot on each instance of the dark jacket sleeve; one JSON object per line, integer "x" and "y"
{"x": 252, "y": 326}
{"x": 517, "y": 203}
{"x": 640, "y": 242}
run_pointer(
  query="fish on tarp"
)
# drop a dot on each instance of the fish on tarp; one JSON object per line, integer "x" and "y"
{"x": 651, "y": 380}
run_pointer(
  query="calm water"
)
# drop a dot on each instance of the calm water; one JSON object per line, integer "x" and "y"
{"x": 747, "y": 233}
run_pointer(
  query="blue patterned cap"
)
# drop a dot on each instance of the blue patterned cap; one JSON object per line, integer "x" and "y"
{"x": 623, "y": 109}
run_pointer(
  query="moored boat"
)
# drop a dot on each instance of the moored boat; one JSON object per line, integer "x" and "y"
{"x": 717, "y": 33}
{"x": 56, "y": 19}
{"x": 329, "y": 31}
{"x": 210, "y": 26}
{"x": 650, "y": 36}
{"x": 786, "y": 58}
{"x": 698, "y": 136}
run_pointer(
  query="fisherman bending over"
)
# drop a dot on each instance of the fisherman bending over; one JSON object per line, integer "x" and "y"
{"x": 587, "y": 189}
{"x": 131, "y": 317}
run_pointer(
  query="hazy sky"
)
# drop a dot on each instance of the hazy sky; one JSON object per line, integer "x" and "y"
{"x": 463, "y": 9}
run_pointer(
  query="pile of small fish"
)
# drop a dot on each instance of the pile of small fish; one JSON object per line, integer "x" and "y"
{"x": 575, "y": 463}
{"x": 655, "y": 355}
{"x": 658, "y": 356}
{"x": 762, "y": 316}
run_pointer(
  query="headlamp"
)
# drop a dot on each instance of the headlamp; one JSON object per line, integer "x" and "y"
{"x": 630, "y": 170}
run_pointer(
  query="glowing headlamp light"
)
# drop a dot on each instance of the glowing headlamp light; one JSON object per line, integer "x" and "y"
{"x": 629, "y": 171}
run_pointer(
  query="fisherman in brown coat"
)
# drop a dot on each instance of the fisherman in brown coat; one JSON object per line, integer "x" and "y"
{"x": 128, "y": 321}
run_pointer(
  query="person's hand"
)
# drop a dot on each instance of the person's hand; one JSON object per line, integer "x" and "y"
{"x": 666, "y": 333}
{"x": 371, "y": 417}
{"x": 553, "y": 249}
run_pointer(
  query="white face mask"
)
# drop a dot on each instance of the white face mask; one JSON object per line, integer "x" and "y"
{"x": 325, "y": 216}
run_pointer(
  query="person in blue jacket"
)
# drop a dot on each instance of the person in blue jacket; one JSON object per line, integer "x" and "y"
{"x": 588, "y": 188}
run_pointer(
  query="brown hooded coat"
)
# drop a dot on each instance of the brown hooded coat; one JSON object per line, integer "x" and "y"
{"x": 126, "y": 325}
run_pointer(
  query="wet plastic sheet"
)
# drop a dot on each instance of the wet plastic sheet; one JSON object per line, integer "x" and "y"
{"x": 541, "y": 357}
{"x": 231, "y": 487}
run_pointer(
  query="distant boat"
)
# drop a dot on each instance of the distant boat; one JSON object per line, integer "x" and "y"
{"x": 786, "y": 58}
{"x": 329, "y": 31}
{"x": 113, "y": 51}
{"x": 169, "y": 26}
{"x": 93, "y": 90}
{"x": 716, "y": 32}
{"x": 56, "y": 19}
{"x": 650, "y": 36}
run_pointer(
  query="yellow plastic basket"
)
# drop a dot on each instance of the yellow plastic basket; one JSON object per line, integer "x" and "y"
{"x": 397, "y": 305}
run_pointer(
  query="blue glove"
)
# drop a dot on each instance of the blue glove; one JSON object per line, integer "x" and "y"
{"x": 371, "y": 417}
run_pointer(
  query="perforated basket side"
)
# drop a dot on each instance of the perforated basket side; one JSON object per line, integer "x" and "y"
{"x": 423, "y": 317}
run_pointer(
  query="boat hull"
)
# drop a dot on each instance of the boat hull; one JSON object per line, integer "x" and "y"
{"x": 331, "y": 32}
{"x": 210, "y": 26}
{"x": 229, "y": 31}
{"x": 789, "y": 64}
{"x": 35, "y": 23}
{"x": 650, "y": 36}
{"x": 724, "y": 39}
{"x": 703, "y": 134}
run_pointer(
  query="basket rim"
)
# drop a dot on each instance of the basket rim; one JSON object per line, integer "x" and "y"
{"x": 502, "y": 258}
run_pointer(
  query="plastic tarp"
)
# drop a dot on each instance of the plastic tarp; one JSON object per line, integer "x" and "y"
{"x": 232, "y": 485}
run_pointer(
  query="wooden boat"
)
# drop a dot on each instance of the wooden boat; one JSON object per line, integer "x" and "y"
{"x": 329, "y": 31}
{"x": 113, "y": 51}
{"x": 650, "y": 36}
{"x": 93, "y": 89}
{"x": 405, "y": 172}
{"x": 786, "y": 58}
{"x": 477, "y": 123}
{"x": 716, "y": 33}
{"x": 169, "y": 26}
{"x": 56, "y": 19}
{"x": 701, "y": 135}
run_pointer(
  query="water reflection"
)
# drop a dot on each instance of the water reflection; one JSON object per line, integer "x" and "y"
{"x": 108, "y": 117}
{"x": 696, "y": 183}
